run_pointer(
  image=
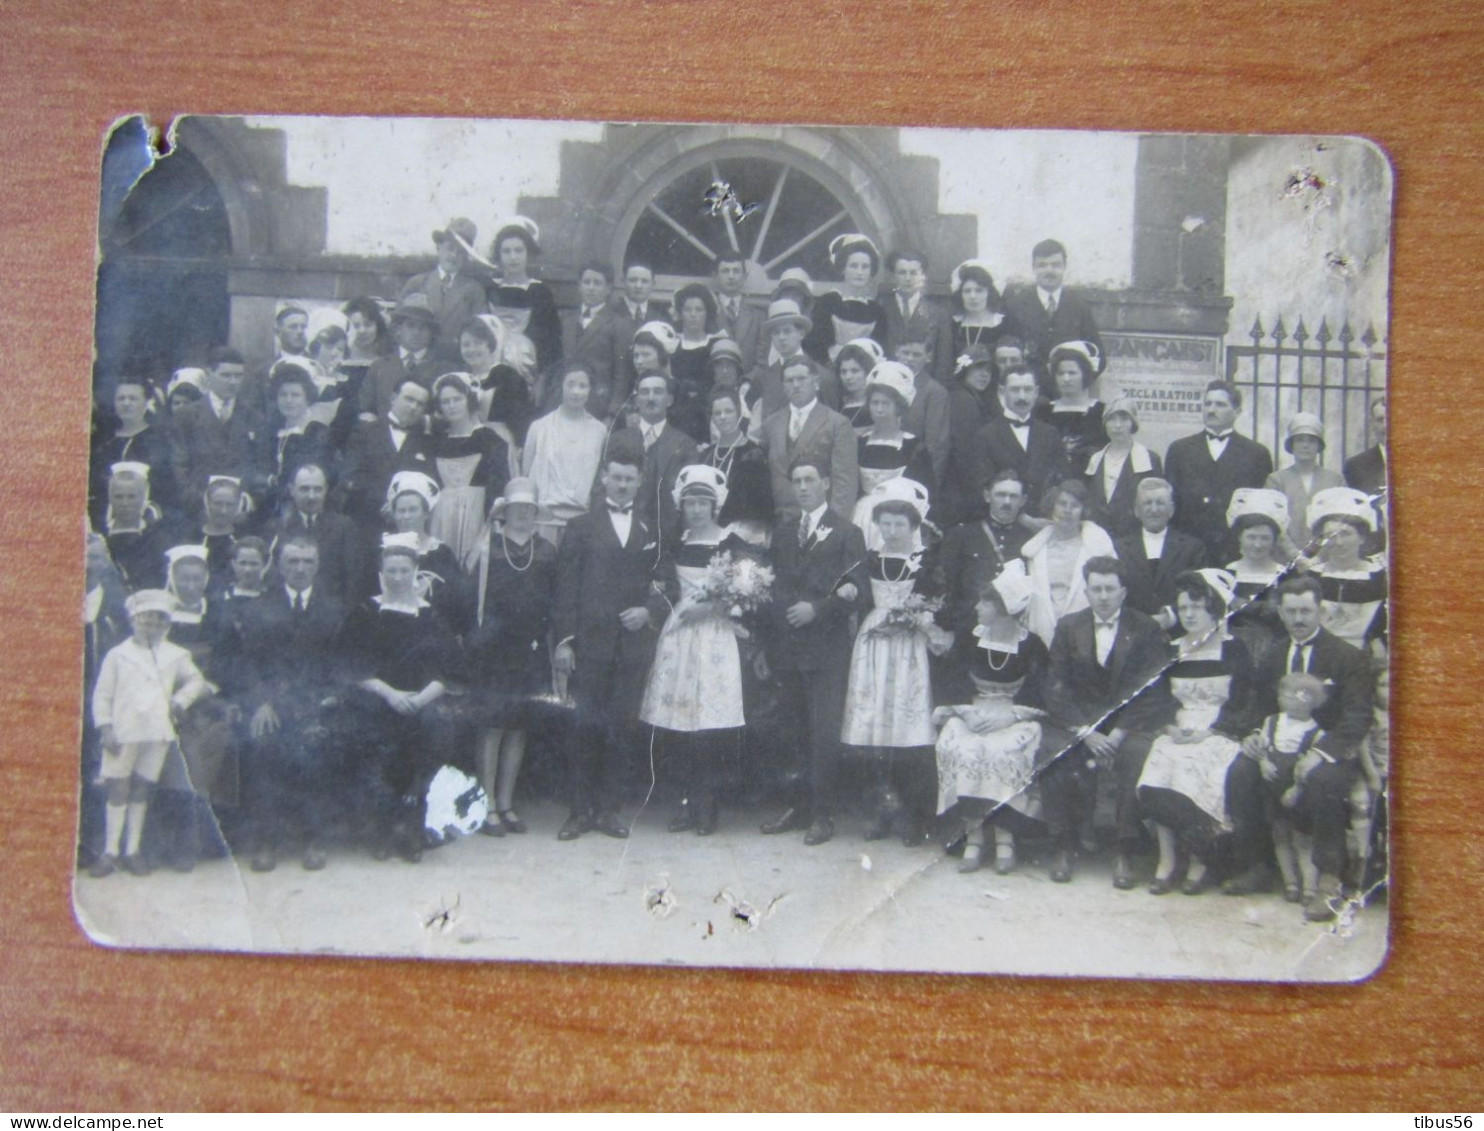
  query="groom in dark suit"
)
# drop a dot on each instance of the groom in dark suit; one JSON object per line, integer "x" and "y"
{"x": 605, "y": 621}
{"x": 598, "y": 335}
{"x": 821, "y": 580}
{"x": 1014, "y": 440}
{"x": 1208, "y": 467}
{"x": 1102, "y": 658}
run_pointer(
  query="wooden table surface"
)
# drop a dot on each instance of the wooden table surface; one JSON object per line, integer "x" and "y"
{"x": 89, "y": 1029}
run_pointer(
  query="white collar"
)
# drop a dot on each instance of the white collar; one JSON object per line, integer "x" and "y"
{"x": 308, "y": 593}
{"x": 657, "y": 429}
{"x": 1046, "y": 296}
{"x": 816, "y": 516}
{"x": 1137, "y": 460}
{"x": 801, "y": 413}
{"x": 219, "y": 404}
{"x": 387, "y": 606}
{"x": 411, "y": 355}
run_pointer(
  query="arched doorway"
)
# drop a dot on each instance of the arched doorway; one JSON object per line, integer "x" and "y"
{"x": 162, "y": 281}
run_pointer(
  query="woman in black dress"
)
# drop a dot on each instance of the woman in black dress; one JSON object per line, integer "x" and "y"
{"x": 401, "y": 660}
{"x": 853, "y": 364}
{"x": 853, "y": 311}
{"x": 472, "y": 462}
{"x": 886, "y": 452}
{"x": 972, "y": 401}
{"x": 521, "y": 302}
{"x": 506, "y": 401}
{"x": 366, "y": 333}
{"x": 293, "y": 438}
{"x": 410, "y": 498}
{"x": 508, "y": 646}
{"x": 133, "y": 439}
{"x": 1075, "y": 413}
{"x": 694, "y": 312}
{"x": 1114, "y": 471}
{"x": 1257, "y": 516}
{"x": 337, "y": 386}
{"x": 979, "y": 317}
{"x": 748, "y": 510}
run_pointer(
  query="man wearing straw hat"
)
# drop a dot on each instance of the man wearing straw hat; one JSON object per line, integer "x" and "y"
{"x": 452, "y": 296}
{"x": 787, "y": 325}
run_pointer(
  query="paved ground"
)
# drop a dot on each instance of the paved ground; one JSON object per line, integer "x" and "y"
{"x": 735, "y": 899}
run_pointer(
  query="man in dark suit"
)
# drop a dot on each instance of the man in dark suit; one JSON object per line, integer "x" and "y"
{"x": 453, "y": 297}
{"x": 1015, "y": 440}
{"x": 910, "y": 316}
{"x": 742, "y": 323}
{"x": 633, "y": 302}
{"x": 1158, "y": 554}
{"x": 217, "y": 435}
{"x": 1207, "y": 467}
{"x": 598, "y": 335}
{"x": 664, "y": 450}
{"x": 975, "y": 552}
{"x": 1345, "y": 716}
{"x": 413, "y": 326}
{"x": 1367, "y": 471}
{"x": 785, "y": 328}
{"x": 340, "y": 572}
{"x": 819, "y": 561}
{"x": 378, "y": 449}
{"x": 927, "y": 416}
{"x": 605, "y": 621}
{"x": 1048, "y": 314}
{"x": 1106, "y": 710}
{"x": 284, "y": 661}
{"x": 805, "y": 428}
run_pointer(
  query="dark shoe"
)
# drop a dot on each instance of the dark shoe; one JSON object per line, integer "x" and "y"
{"x": 684, "y": 820}
{"x": 577, "y": 824}
{"x": 973, "y": 859}
{"x": 907, "y": 827}
{"x": 1123, "y": 873}
{"x": 791, "y": 819}
{"x": 1004, "y": 859}
{"x": 1061, "y": 868}
{"x": 492, "y": 828}
{"x": 314, "y": 858}
{"x": 1161, "y": 885}
{"x": 105, "y": 865}
{"x": 608, "y": 824}
{"x": 880, "y": 827}
{"x": 1292, "y": 893}
{"x": 821, "y": 830}
{"x": 706, "y": 821}
{"x": 264, "y": 859}
{"x": 137, "y": 865}
{"x": 512, "y": 823}
{"x": 1250, "y": 882}
{"x": 1198, "y": 887}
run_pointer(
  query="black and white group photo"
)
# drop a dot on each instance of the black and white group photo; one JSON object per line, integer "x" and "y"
{"x": 777, "y": 546}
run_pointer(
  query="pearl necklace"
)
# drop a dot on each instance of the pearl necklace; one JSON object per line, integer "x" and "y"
{"x": 530, "y": 555}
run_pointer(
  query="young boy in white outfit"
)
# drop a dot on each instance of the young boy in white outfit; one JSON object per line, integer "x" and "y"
{"x": 143, "y": 686}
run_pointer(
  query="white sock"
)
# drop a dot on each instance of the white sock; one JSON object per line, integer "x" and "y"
{"x": 136, "y": 825}
{"x": 113, "y": 827}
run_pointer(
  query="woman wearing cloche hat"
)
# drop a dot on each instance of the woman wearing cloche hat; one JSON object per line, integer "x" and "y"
{"x": 1113, "y": 472}
{"x": 513, "y": 581}
{"x": 1303, "y": 478}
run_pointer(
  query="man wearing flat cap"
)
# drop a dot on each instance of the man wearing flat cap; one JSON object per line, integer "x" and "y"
{"x": 414, "y": 325}
{"x": 453, "y": 296}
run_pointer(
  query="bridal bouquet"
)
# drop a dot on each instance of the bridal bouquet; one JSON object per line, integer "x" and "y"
{"x": 913, "y": 613}
{"x": 737, "y": 583}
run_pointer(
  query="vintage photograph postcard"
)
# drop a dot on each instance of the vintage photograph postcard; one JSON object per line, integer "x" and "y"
{"x": 740, "y": 545}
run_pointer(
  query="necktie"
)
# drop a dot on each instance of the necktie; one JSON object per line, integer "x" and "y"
{"x": 299, "y": 603}
{"x": 803, "y": 531}
{"x": 906, "y": 305}
{"x": 795, "y": 426}
{"x": 649, "y": 437}
{"x": 587, "y": 316}
{"x": 1050, "y": 307}
{"x": 226, "y": 411}
{"x": 1297, "y": 664}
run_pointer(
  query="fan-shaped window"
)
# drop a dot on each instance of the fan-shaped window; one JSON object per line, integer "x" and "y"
{"x": 788, "y": 219}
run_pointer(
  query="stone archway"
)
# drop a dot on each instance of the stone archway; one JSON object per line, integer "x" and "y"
{"x": 607, "y": 187}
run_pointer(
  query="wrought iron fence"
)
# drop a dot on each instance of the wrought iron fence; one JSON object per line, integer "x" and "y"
{"x": 1334, "y": 375}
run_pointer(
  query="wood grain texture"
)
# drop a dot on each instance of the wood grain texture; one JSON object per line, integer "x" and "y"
{"x": 89, "y": 1028}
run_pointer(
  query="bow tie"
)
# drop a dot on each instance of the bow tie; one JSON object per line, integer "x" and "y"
{"x": 1018, "y": 421}
{"x": 614, "y": 508}
{"x": 1217, "y": 436}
